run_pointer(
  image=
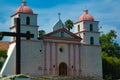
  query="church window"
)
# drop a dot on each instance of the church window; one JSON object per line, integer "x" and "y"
{"x": 27, "y": 20}
{"x": 72, "y": 66}
{"x": 61, "y": 49}
{"x": 91, "y": 40}
{"x": 14, "y": 21}
{"x": 78, "y": 28}
{"x": 28, "y": 38}
{"x": 40, "y": 50}
{"x": 91, "y": 27}
{"x": 53, "y": 66}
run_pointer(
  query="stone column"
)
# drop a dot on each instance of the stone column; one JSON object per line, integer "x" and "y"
{"x": 45, "y": 66}
{"x": 51, "y": 66}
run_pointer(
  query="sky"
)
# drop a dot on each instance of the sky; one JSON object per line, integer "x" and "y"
{"x": 107, "y": 12}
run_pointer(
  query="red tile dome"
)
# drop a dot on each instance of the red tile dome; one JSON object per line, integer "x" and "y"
{"x": 86, "y": 16}
{"x": 24, "y": 9}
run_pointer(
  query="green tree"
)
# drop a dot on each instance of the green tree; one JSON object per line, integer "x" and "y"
{"x": 109, "y": 43}
{"x": 41, "y": 32}
{"x": 1, "y": 36}
{"x": 110, "y": 55}
{"x": 111, "y": 66}
{"x": 69, "y": 24}
{"x": 3, "y": 55}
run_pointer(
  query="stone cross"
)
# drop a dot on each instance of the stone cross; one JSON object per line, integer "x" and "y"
{"x": 18, "y": 35}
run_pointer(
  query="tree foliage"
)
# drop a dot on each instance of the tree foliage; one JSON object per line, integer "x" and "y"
{"x": 41, "y": 32}
{"x": 110, "y": 55}
{"x": 1, "y": 36}
{"x": 69, "y": 24}
{"x": 111, "y": 66}
{"x": 3, "y": 55}
{"x": 109, "y": 43}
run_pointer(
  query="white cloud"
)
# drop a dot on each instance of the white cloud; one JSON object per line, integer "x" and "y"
{"x": 105, "y": 11}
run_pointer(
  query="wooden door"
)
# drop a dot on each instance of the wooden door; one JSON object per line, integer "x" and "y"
{"x": 63, "y": 69}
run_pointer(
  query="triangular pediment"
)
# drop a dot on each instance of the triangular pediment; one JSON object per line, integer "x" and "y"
{"x": 62, "y": 34}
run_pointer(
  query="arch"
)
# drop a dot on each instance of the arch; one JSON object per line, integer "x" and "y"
{"x": 91, "y": 40}
{"x": 28, "y": 20}
{"x": 63, "y": 69}
{"x": 91, "y": 27}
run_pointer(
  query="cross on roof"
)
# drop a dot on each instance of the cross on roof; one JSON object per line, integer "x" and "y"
{"x": 23, "y": 2}
{"x": 59, "y": 14}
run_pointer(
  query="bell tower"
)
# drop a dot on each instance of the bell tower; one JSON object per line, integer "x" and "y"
{"x": 87, "y": 29}
{"x": 28, "y": 21}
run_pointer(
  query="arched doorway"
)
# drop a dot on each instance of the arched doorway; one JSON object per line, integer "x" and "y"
{"x": 63, "y": 69}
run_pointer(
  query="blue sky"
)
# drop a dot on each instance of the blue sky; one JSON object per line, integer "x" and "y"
{"x": 105, "y": 11}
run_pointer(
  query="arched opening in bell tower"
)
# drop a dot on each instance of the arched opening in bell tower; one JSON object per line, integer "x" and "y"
{"x": 91, "y": 40}
{"x": 91, "y": 27}
{"x": 28, "y": 20}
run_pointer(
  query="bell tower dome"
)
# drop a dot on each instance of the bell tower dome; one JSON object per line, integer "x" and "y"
{"x": 24, "y": 9}
{"x": 87, "y": 28}
{"x": 86, "y": 16}
{"x": 28, "y": 21}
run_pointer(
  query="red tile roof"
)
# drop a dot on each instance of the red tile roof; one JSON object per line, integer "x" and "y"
{"x": 4, "y": 45}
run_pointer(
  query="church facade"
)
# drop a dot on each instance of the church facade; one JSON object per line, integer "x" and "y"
{"x": 59, "y": 52}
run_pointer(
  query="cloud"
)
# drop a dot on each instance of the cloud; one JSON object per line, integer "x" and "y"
{"x": 104, "y": 11}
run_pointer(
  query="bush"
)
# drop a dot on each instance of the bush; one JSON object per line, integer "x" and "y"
{"x": 111, "y": 66}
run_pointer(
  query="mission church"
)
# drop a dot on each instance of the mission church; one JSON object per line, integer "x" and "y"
{"x": 59, "y": 52}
